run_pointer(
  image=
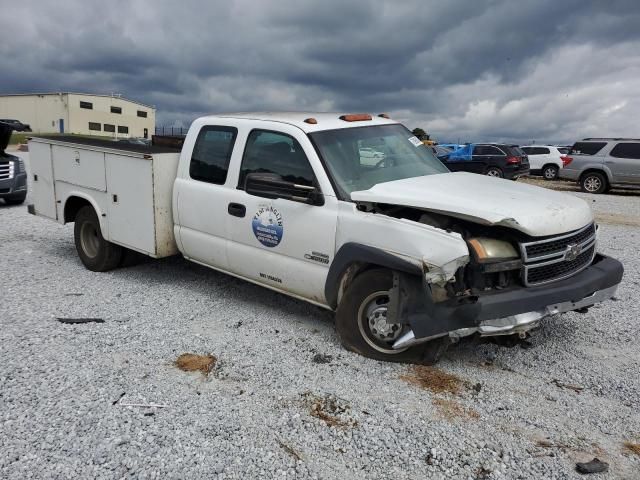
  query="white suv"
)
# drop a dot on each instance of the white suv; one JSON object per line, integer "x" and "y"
{"x": 546, "y": 160}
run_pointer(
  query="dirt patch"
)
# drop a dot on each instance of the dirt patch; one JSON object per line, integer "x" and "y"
{"x": 617, "y": 219}
{"x": 632, "y": 447}
{"x": 330, "y": 409}
{"x": 434, "y": 379}
{"x": 191, "y": 362}
{"x": 452, "y": 410}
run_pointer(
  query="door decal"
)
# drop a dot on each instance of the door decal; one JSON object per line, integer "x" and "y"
{"x": 267, "y": 226}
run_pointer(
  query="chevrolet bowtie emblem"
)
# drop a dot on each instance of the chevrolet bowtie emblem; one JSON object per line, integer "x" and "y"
{"x": 572, "y": 251}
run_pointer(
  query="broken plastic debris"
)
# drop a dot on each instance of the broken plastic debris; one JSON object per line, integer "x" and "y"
{"x": 73, "y": 321}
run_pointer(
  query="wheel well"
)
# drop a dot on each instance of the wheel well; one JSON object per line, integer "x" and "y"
{"x": 72, "y": 207}
{"x": 594, "y": 170}
{"x": 550, "y": 165}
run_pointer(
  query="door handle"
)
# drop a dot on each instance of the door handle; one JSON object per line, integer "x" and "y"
{"x": 237, "y": 210}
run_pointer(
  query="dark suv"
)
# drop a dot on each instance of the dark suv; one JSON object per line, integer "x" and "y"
{"x": 493, "y": 159}
{"x": 13, "y": 177}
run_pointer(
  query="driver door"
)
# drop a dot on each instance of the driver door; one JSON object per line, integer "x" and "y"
{"x": 284, "y": 244}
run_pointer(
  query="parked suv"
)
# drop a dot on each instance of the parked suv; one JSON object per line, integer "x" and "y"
{"x": 546, "y": 160}
{"x": 13, "y": 177}
{"x": 601, "y": 163}
{"x": 492, "y": 159}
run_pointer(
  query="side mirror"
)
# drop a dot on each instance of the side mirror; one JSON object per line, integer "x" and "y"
{"x": 270, "y": 185}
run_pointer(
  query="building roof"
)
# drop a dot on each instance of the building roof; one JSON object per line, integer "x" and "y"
{"x": 325, "y": 120}
{"x": 37, "y": 94}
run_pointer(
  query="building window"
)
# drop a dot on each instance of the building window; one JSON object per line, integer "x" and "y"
{"x": 94, "y": 126}
{"x": 142, "y": 113}
{"x": 116, "y": 109}
{"x": 109, "y": 128}
{"x": 123, "y": 129}
{"x": 87, "y": 105}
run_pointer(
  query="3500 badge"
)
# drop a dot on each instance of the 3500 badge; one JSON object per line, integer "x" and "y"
{"x": 267, "y": 226}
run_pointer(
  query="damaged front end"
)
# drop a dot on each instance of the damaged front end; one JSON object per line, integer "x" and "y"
{"x": 507, "y": 283}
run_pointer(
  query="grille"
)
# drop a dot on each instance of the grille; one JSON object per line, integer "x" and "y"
{"x": 554, "y": 258}
{"x": 558, "y": 245}
{"x": 6, "y": 170}
{"x": 547, "y": 272}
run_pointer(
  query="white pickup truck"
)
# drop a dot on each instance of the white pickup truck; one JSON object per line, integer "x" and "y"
{"x": 408, "y": 255}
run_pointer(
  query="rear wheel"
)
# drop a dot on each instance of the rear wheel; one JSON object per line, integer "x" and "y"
{"x": 550, "y": 172}
{"x": 95, "y": 252}
{"x": 361, "y": 322}
{"x": 593, "y": 182}
{"x": 494, "y": 172}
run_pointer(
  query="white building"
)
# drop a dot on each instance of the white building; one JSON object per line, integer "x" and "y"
{"x": 80, "y": 113}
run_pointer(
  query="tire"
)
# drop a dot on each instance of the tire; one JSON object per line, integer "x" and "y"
{"x": 16, "y": 200}
{"x": 97, "y": 254}
{"x": 550, "y": 172}
{"x": 363, "y": 303}
{"x": 594, "y": 182}
{"x": 494, "y": 172}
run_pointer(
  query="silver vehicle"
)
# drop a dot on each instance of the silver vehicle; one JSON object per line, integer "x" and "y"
{"x": 601, "y": 163}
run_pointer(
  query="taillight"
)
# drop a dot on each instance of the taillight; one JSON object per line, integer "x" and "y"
{"x": 513, "y": 160}
{"x": 566, "y": 160}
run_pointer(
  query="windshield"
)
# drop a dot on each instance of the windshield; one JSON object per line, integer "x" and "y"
{"x": 359, "y": 158}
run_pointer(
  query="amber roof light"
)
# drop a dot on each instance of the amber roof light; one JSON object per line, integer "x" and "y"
{"x": 356, "y": 117}
{"x": 312, "y": 121}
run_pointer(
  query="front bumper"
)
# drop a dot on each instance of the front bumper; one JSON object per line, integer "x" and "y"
{"x": 13, "y": 186}
{"x": 516, "y": 310}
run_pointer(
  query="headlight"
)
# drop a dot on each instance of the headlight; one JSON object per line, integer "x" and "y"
{"x": 490, "y": 249}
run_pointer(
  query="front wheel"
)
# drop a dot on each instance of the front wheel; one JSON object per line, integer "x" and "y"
{"x": 361, "y": 322}
{"x": 550, "y": 172}
{"x": 593, "y": 182}
{"x": 96, "y": 253}
{"x": 494, "y": 172}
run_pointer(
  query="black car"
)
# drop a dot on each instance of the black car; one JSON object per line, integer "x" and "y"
{"x": 492, "y": 159}
{"x": 17, "y": 125}
{"x": 13, "y": 175}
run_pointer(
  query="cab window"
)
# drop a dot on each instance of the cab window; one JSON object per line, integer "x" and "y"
{"x": 211, "y": 154}
{"x": 277, "y": 153}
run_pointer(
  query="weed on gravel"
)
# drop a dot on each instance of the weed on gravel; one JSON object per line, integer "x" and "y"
{"x": 433, "y": 379}
{"x": 632, "y": 447}
{"x": 330, "y": 409}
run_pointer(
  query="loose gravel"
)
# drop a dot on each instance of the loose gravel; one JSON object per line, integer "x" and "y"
{"x": 283, "y": 399}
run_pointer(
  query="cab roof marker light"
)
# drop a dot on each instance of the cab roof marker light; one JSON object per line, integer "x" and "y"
{"x": 311, "y": 121}
{"x": 356, "y": 117}
{"x": 384, "y": 115}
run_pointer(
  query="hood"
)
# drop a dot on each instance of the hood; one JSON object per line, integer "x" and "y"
{"x": 485, "y": 200}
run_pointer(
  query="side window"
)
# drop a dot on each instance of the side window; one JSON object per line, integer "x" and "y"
{"x": 480, "y": 150}
{"x": 626, "y": 150}
{"x": 211, "y": 154}
{"x": 278, "y": 153}
{"x": 543, "y": 150}
{"x": 528, "y": 150}
{"x": 586, "y": 148}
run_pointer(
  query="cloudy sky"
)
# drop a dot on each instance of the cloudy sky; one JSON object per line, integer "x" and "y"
{"x": 543, "y": 70}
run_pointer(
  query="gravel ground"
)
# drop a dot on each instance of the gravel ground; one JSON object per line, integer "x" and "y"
{"x": 284, "y": 399}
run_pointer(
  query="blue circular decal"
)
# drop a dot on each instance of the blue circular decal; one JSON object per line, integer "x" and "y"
{"x": 267, "y": 226}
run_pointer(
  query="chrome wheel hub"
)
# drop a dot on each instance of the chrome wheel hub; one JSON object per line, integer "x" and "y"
{"x": 592, "y": 184}
{"x": 376, "y": 330}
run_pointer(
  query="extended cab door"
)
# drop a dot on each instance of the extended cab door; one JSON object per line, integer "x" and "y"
{"x": 284, "y": 244}
{"x": 201, "y": 194}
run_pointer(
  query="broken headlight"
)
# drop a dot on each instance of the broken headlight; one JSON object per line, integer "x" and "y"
{"x": 494, "y": 255}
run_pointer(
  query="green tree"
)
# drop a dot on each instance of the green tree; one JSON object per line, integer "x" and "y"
{"x": 420, "y": 133}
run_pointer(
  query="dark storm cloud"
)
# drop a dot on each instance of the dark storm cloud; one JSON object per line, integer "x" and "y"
{"x": 514, "y": 70}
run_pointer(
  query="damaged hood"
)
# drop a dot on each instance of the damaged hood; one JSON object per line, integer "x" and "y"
{"x": 485, "y": 200}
